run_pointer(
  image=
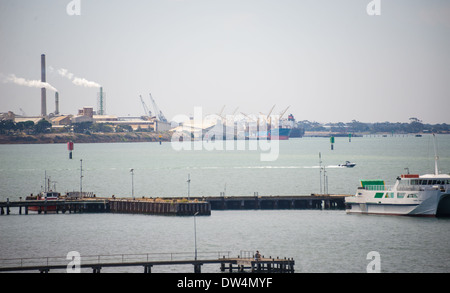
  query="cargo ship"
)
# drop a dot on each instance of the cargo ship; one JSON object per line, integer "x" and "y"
{"x": 279, "y": 134}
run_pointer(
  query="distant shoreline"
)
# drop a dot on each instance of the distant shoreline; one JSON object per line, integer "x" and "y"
{"x": 58, "y": 138}
{"x": 54, "y": 138}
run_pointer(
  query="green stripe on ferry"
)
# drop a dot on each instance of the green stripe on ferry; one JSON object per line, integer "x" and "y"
{"x": 379, "y": 195}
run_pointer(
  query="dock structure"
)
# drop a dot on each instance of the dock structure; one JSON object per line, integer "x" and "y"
{"x": 147, "y": 262}
{"x": 263, "y": 265}
{"x": 314, "y": 201}
{"x": 176, "y": 206}
{"x": 63, "y": 206}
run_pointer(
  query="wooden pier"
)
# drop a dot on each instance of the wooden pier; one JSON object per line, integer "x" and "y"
{"x": 146, "y": 262}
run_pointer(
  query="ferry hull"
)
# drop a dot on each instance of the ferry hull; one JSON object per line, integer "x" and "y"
{"x": 432, "y": 206}
{"x": 386, "y": 209}
{"x": 40, "y": 209}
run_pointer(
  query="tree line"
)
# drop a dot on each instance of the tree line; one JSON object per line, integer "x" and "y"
{"x": 8, "y": 127}
{"x": 414, "y": 126}
{"x": 28, "y": 127}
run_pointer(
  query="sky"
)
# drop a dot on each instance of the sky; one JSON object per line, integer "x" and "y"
{"x": 330, "y": 61}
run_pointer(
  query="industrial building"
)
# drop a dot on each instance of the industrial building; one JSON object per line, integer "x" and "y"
{"x": 88, "y": 114}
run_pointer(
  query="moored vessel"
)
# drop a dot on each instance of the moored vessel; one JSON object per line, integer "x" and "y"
{"x": 46, "y": 195}
{"x": 411, "y": 195}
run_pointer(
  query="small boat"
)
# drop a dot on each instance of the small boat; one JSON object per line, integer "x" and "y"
{"x": 46, "y": 195}
{"x": 347, "y": 164}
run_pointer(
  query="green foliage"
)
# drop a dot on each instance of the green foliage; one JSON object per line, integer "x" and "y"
{"x": 43, "y": 126}
{"x": 82, "y": 127}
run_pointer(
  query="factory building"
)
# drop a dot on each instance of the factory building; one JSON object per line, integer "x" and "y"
{"x": 87, "y": 114}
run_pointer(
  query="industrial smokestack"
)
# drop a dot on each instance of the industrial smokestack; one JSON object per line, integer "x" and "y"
{"x": 43, "y": 90}
{"x": 101, "y": 102}
{"x": 56, "y": 103}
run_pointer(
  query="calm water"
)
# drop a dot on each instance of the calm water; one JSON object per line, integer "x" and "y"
{"x": 319, "y": 241}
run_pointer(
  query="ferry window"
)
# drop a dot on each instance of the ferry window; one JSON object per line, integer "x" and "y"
{"x": 412, "y": 195}
{"x": 414, "y": 182}
{"x": 389, "y": 195}
{"x": 433, "y": 182}
{"x": 400, "y": 195}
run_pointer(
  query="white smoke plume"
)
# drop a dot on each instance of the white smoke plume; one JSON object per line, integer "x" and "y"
{"x": 77, "y": 80}
{"x": 65, "y": 73}
{"x": 84, "y": 82}
{"x": 11, "y": 78}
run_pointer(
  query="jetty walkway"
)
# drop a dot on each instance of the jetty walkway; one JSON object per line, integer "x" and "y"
{"x": 244, "y": 262}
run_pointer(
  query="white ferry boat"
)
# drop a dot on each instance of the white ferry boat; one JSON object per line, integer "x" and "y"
{"x": 411, "y": 195}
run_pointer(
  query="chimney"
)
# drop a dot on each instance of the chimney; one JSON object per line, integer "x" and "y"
{"x": 43, "y": 90}
{"x": 56, "y": 103}
{"x": 101, "y": 110}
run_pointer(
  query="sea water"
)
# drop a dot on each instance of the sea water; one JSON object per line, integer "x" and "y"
{"x": 319, "y": 241}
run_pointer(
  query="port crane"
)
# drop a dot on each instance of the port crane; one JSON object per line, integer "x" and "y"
{"x": 284, "y": 112}
{"x": 159, "y": 113}
{"x": 221, "y": 112}
{"x": 146, "y": 110}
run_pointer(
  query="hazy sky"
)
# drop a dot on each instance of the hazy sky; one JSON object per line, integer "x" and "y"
{"x": 329, "y": 60}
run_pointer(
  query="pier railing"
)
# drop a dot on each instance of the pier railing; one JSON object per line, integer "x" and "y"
{"x": 241, "y": 263}
{"x": 111, "y": 258}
